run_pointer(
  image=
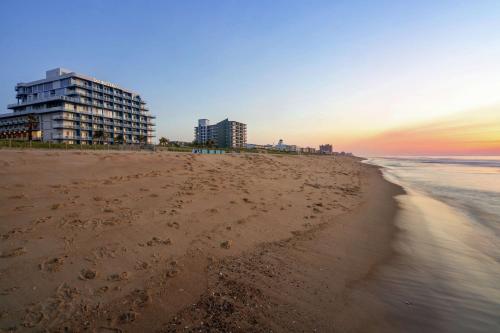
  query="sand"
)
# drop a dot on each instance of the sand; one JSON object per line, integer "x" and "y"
{"x": 160, "y": 242}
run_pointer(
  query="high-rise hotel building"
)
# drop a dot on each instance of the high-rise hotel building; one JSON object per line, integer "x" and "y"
{"x": 224, "y": 134}
{"x": 67, "y": 107}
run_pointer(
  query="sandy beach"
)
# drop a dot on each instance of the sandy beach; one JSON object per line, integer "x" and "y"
{"x": 162, "y": 242}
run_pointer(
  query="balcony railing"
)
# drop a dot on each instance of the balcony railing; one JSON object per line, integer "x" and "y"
{"x": 63, "y": 117}
{"x": 81, "y": 101}
{"x": 17, "y": 129}
{"x": 67, "y": 137}
{"x": 64, "y": 125}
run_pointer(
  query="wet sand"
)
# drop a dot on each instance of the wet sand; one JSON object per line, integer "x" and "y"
{"x": 444, "y": 275}
{"x": 134, "y": 241}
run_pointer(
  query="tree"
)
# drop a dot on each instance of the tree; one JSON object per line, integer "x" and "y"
{"x": 105, "y": 137}
{"x": 120, "y": 139}
{"x": 141, "y": 138}
{"x": 163, "y": 141}
{"x": 98, "y": 136}
{"x": 210, "y": 143}
{"x": 32, "y": 124}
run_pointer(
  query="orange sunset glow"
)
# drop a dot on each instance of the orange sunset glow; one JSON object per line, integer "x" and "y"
{"x": 471, "y": 133}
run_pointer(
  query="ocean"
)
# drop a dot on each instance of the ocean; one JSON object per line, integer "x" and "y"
{"x": 445, "y": 274}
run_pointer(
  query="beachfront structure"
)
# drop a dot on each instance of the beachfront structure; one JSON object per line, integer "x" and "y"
{"x": 224, "y": 134}
{"x": 67, "y": 107}
{"x": 326, "y": 149}
{"x": 284, "y": 147}
{"x": 308, "y": 150}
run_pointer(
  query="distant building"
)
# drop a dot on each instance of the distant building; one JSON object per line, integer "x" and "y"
{"x": 326, "y": 149}
{"x": 283, "y": 147}
{"x": 204, "y": 131}
{"x": 343, "y": 153}
{"x": 308, "y": 150}
{"x": 224, "y": 134}
{"x": 68, "y": 107}
{"x": 280, "y": 145}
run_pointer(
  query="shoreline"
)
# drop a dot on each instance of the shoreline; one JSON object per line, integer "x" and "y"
{"x": 260, "y": 264}
{"x": 443, "y": 275}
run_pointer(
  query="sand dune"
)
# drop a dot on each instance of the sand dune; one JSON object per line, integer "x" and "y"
{"x": 133, "y": 241}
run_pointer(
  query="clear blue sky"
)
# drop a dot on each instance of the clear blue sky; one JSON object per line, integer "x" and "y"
{"x": 305, "y": 71}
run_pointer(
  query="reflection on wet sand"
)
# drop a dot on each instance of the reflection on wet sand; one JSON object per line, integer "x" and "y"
{"x": 445, "y": 274}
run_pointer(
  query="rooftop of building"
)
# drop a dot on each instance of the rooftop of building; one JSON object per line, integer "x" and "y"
{"x": 62, "y": 73}
{"x": 206, "y": 122}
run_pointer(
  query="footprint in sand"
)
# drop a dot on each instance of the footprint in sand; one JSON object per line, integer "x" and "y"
{"x": 142, "y": 265}
{"x": 141, "y": 297}
{"x": 118, "y": 277}
{"x": 172, "y": 270}
{"x": 102, "y": 290}
{"x": 226, "y": 244}
{"x": 55, "y": 206}
{"x": 127, "y": 317}
{"x": 158, "y": 241}
{"x": 32, "y": 318}
{"x": 52, "y": 265}
{"x": 13, "y": 253}
{"x": 88, "y": 274}
{"x": 173, "y": 225}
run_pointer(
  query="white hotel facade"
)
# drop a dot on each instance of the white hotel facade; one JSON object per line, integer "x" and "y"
{"x": 67, "y": 107}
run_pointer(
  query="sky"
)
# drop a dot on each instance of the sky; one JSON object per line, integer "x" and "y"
{"x": 362, "y": 75}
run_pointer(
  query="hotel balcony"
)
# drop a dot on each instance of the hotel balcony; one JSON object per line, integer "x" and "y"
{"x": 17, "y": 129}
{"x": 77, "y": 100}
{"x": 73, "y": 126}
{"x": 64, "y": 117}
{"x": 65, "y": 137}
